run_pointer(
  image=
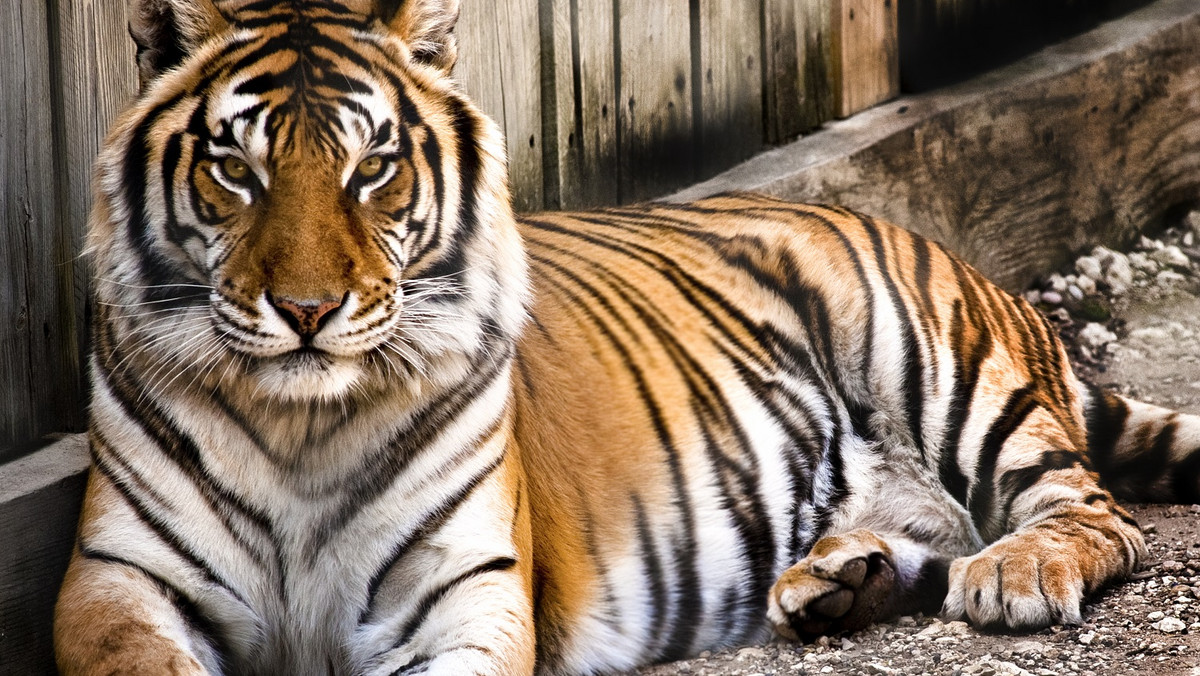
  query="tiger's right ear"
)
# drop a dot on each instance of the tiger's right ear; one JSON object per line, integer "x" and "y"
{"x": 166, "y": 31}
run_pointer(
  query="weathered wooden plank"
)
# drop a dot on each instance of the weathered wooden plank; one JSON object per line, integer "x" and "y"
{"x": 654, "y": 122}
{"x": 798, "y": 68}
{"x": 1083, "y": 143}
{"x": 33, "y": 377}
{"x": 499, "y": 65}
{"x": 97, "y": 77}
{"x": 40, "y": 496}
{"x": 581, "y": 102}
{"x": 866, "y": 53}
{"x": 728, "y": 77}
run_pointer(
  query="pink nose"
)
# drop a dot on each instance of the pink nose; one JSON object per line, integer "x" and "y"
{"x": 306, "y": 317}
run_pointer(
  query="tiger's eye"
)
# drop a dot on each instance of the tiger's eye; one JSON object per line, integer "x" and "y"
{"x": 235, "y": 168}
{"x": 370, "y": 167}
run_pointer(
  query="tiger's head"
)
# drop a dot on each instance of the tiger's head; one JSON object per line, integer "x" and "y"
{"x": 300, "y": 197}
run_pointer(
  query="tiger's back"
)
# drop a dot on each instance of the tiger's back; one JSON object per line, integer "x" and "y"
{"x": 351, "y": 416}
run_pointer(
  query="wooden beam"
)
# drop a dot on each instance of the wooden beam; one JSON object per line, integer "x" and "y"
{"x": 866, "y": 53}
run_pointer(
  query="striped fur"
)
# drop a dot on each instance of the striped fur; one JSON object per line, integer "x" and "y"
{"x": 350, "y": 416}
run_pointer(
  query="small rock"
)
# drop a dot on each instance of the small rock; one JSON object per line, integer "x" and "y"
{"x": 1119, "y": 275}
{"x": 1086, "y": 284}
{"x": 1087, "y": 638}
{"x": 1143, "y": 263}
{"x": 1173, "y": 256}
{"x": 1168, "y": 278}
{"x": 1095, "y": 336}
{"x": 935, "y": 629}
{"x": 958, "y": 628}
{"x": 751, "y": 653}
{"x": 1189, "y": 238}
{"x": 1033, "y": 296}
{"x": 1173, "y": 567}
{"x": 1029, "y": 647}
{"x": 1075, "y": 292}
{"x": 1057, "y": 282}
{"x": 876, "y": 668}
{"x": 1156, "y": 615}
{"x": 1088, "y": 266}
{"x": 1170, "y": 625}
{"x": 1052, "y": 297}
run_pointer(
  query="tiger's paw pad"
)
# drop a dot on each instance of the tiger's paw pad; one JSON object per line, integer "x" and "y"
{"x": 840, "y": 586}
{"x": 1016, "y": 583}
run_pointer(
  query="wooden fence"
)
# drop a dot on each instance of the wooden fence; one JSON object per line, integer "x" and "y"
{"x": 602, "y": 102}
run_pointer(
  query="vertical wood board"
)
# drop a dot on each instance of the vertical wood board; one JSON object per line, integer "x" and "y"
{"x": 584, "y": 107}
{"x": 32, "y": 376}
{"x": 499, "y": 66}
{"x": 798, "y": 67}
{"x": 654, "y": 124}
{"x": 866, "y": 53}
{"x": 730, "y": 79}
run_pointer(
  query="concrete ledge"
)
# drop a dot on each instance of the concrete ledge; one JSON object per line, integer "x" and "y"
{"x": 40, "y": 497}
{"x": 1085, "y": 142}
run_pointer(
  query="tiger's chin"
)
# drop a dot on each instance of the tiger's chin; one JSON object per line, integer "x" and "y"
{"x": 308, "y": 376}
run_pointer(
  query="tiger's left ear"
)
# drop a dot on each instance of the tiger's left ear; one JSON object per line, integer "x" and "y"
{"x": 168, "y": 31}
{"x": 427, "y": 26}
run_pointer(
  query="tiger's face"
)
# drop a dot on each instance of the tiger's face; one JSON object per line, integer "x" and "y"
{"x": 311, "y": 202}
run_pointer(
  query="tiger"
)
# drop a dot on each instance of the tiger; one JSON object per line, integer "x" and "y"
{"x": 351, "y": 415}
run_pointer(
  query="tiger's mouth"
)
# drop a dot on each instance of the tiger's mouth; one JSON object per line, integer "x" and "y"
{"x": 307, "y": 373}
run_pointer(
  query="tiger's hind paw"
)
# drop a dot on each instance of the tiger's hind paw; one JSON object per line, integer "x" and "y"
{"x": 842, "y": 585}
{"x": 1015, "y": 583}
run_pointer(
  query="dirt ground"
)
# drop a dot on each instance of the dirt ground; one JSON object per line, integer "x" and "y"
{"x": 1148, "y": 625}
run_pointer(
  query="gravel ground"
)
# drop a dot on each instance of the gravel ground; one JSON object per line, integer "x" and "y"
{"x": 1132, "y": 323}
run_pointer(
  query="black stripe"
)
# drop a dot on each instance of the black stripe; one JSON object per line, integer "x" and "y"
{"x": 138, "y": 406}
{"x": 433, "y": 522}
{"x": 1014, "y": 482}
{"x": 204, "y": 627}
{"x": 431, "y": 598}
{"x": 654, "y": 578}
{"x": 914, "y": 386}
{"x": 1106, "y": 418}
{"x": 967, "y": 313}
{"x": 1021, "y": 402}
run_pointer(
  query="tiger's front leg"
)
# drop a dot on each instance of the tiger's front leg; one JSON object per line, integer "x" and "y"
{"x": 1063, "y": 537}
{"x": 116, "y": 617}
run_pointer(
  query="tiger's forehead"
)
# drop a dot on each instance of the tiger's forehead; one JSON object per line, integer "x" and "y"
{"x": 298, "y": 78}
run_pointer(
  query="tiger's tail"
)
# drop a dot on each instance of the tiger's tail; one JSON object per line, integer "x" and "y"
{"x": 1143, "y": 452}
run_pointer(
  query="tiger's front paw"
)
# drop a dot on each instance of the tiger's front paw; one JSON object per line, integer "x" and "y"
{"x": 840, "y": 586}
{"x": 1016, "y": 583}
